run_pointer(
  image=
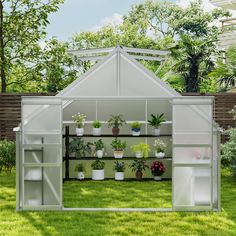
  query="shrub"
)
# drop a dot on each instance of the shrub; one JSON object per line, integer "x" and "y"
{"x": 7, "y": 155}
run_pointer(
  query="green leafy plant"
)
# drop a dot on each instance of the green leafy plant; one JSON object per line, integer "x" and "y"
{"x": 156, "y": 120}
{"x": 79, "y": 119}
{"x": 98, "y": 165}
{"x": 96, "y": 124}
{"x": 136, "y": 125}
{"x": 143, "y": 148}
{"x": 138, "y": 165}
{"x": 118, "y": 145}
{"x": 99, "y": 145}
{"x": 7, "y": 155}
{"x": 79, "y": 167}
{"x": 116, "y": 121}
{"x": 119, "y": 166}
{"x": 159, "y": 145}
{"x": 80, "y": 148}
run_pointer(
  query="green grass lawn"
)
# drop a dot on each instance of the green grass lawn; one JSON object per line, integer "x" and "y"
{"x": 111, "y": 223}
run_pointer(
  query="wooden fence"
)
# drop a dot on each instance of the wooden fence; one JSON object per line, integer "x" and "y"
{"x": 10, "y": 110}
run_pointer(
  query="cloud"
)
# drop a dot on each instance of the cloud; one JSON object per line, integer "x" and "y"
{"x": 113, "y": 20}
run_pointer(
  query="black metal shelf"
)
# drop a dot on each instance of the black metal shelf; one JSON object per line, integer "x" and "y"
{"x": 113, "y": 158}
{"x": 119, "y": 136}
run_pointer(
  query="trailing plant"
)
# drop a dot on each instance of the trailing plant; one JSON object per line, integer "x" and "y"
{"x": 96, "y": 124}
{"x": 7, "y": 155}
{"x": 80, "y": 148}
{"x": 79, "y": 167}
{"x": 136, "y": 125}
{"x": 79, "y": 119}
{"x": 159, "y": 145}
{"x": 138, "y": 165}
{"x": 156, "y": 121}
{"x": 118, "y": 145}
{"x": 98, "y": 165}
{"x": 157, "y": 168}
{"x": 99, "y": 145}
{"x": 143, "y": 148}
{"x": 119, "y": 166}
{"x": 116, "y": 121}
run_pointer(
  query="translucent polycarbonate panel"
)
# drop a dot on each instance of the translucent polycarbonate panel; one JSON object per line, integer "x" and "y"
{"x": 183, "y": 179}
{"x": 41, "y": 118}
{"x": 33, "y": 155}
{"x": 134, "y": 81}
{"x": 41, "y": 139}
{"x": 190, "y": 138}
{"x": 192, "y": 118}
{"x": 33, "y": 193}
{"x": 202, "y": 186}
{"x": 192, "y": 155}
{"x": 85, "y": 107}
{"x": 51, "y": 186}
{"x": 102, "y": 81}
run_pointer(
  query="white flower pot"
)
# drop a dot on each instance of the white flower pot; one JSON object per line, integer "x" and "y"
{"x": 80, "y": 175}
{"x": 34, "y": 202}
{"x": 97, "y": 131}
{"x": 157, "y": 132}
{"x": 157, "y": 178}
{"x": 139, "y": 155}
{"x": 135, "y": 133}
{"x": 99, "y": 153}
{"x": 34, "y": 174}
{"x": 159, "y": 154}
{"x": 118, "y": 154}
{"x": 119, "y": 175}
{"x": 97, "y": 174}
{"x": 79, "y": 131}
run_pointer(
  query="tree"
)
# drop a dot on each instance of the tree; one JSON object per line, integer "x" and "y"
{"x": 22, "y": 25}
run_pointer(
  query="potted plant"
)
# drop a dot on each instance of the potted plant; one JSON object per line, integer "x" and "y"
{"x": 97, "y": 128}
{"x": 79, "y": 168}
{"x": 119, "y": 168}
{"x": 80, "y": 148}
{"x": 158, "y": 169}
{"x": 98, "y": 170}
{"x": 115, "y": 122}
{"x": 118, "y": 147}
{"x": 79, "y": 119}
{"x": 159, "y": 147}
{"x": 136, "y": 127}
{"x": 138, "y": 166}
{"x": 141, "y": 150}
{"x": 99, "y": 148}
{"x": 156, "y": 121}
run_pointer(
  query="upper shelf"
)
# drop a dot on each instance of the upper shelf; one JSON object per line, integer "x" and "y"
{"x": 119, "y": 136}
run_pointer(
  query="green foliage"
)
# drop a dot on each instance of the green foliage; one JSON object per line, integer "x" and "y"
{"x": 119, "y": 166}
{"x": 138, "y": 165}
{"x": 143, "y": 148}
{"x": 98, "y": 165}
{"x": 118, "y": 145}
{"x": 79, "y": 167}
{"x": 229, "y": 150}
{"x": 79, "y": 119}
{"x": 80, "y": 148}
{"x": 96, "y": 124}
{"x": 116, "y": 121}
{"x": 135, "y": 125}
{"x": 156, "y": 120}
{"x": 99, "y": 145}
{"x": 7, "y": 155}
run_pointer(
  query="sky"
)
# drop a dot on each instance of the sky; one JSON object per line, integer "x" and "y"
{"x": 75, "y": 16}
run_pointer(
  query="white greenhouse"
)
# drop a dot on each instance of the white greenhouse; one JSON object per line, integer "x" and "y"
{"x": 119, "y": 84}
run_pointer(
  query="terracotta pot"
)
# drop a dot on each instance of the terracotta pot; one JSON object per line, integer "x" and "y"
{"x": 115, "y": 131}
{"x": 139, "y": 175}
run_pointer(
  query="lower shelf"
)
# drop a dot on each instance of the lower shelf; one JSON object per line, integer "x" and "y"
{"x": 113, "y": 158}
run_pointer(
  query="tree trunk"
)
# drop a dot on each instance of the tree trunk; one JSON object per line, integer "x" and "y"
{"x": 192, "y": 82}
{"x": 2, "y": 55}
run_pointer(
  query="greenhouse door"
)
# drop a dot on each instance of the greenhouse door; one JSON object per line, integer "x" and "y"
{"x": 41, "y": 157}
{"x": 192, "y": 187}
